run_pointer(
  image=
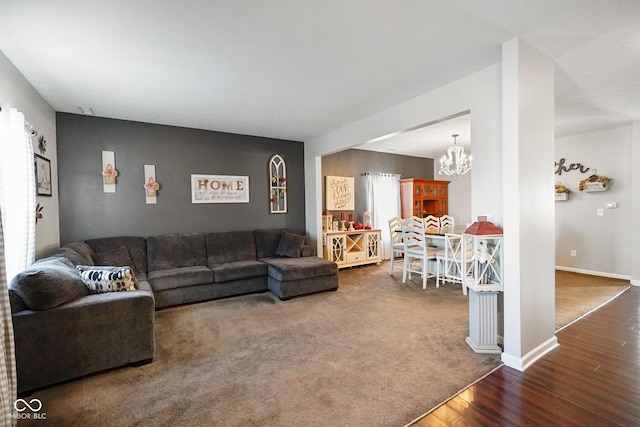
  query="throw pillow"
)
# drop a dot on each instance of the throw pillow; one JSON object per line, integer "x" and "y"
{"x": 47, "y": 284}
{"x": 117, "y": 257}
{"x": 290, "y": 245}
{"x": 100, "y": 279}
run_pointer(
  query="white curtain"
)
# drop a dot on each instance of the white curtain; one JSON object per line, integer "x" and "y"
{"x": 8, "y": 378}
{"x": 383, "y": 201}
{"x": 17, "y": 191}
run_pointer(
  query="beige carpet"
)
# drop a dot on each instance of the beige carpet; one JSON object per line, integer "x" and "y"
{"x": 374, "y": 353}
{"x": 577, "y": 294}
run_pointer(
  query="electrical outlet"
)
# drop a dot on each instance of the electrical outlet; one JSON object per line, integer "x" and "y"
{"x": 600, "y": 212}
{"x": 573, "y": 252}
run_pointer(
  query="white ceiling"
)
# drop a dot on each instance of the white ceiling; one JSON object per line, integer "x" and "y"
{"x": 297, "y": 69}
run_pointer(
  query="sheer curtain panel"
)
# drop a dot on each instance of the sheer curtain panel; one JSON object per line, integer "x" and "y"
{"x": 383, "y": 201}
{"x": 8, "y": 378}
{"x": 17, "y": 191}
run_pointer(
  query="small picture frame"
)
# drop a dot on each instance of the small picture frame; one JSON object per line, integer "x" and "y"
{"x": 43, "y": 175}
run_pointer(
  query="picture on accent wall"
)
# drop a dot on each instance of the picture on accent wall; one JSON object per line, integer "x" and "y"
{"x": 43, "y": 175}
{"x": 219, "y": 189}
{"x": 339, "y": 193}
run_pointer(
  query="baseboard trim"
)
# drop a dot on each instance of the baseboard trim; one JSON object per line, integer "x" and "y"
{"x": 522, "y": 363}
{"x": 598, "y": 273}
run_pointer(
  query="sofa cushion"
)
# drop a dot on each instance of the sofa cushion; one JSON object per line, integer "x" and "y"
{"x": 83, "y": 249}
{"x": 176, "y": 250}
{"x": 229, "y": 246}
{"x": 137, "y": 247}
{"x": 285, "y": 269}
{"x": 238, "y": 270}
{"x": 47, "y": 284}
{"x": 70, "y": 254}
{"x": 267, "y": 242}
{"x": 290, "y": 245}
{"x": 117, "y": 257}
{"x": 101, "y": 279}
{"x": 179, "y": 277}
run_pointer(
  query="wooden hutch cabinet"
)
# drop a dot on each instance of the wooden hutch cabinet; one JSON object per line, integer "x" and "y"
{"x": 422, "y": 197}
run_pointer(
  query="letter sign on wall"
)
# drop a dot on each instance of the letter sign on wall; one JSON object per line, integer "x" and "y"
{"x": 219, "y": 189}
{"x": 339, "y": 193}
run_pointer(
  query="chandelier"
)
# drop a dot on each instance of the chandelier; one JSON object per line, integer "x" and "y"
{"x": 455, "y": 162}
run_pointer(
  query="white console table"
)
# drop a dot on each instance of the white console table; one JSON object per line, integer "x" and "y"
{"x": 351, "y": 248}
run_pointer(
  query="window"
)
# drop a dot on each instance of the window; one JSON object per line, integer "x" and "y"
{"x": 17, "y": 191}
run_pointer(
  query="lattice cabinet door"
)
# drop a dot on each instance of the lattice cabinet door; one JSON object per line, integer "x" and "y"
{"x": 336, "y": 248}
{"x": 374, "y": 240}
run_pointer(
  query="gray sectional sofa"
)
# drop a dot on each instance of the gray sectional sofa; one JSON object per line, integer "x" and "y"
{"x": 63, "y": 331}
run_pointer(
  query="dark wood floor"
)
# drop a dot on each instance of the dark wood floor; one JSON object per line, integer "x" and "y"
{"x": 591, "y": 379}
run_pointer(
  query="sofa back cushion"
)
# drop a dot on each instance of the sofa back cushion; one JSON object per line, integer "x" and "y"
{"x": 137, "y": 247}
{"x": 267, "y": 242}
{"x": 71, "y": 255}
{"x": 176, "y": 250}
{"x": 119, "y": 257}
{"x": 230, "y": 246}
{"x": 83, "y": 249}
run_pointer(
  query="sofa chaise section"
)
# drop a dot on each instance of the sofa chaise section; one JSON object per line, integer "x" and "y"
{"x": 293, "y": 270}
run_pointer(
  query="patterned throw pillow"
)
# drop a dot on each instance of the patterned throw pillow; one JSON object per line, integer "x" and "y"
{"x": 107, "y": 279}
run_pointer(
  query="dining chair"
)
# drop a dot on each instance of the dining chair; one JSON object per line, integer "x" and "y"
{"x": 446, "y": 223}
{"x": 416, "y": 251}
{"x": 451, "y": 260}
{"x": 397, "y": 247}
{"x": 431, "y": 223}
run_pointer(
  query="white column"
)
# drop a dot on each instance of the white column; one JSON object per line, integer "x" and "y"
{"x": 635, "y": 203}
{"x": 528, "y": 208}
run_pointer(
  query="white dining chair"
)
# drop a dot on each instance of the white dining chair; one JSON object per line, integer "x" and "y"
{"x": 431, "y": 223}
{"x": 451, "y": 260}
{"x": 416, "y": 251}
{"x": 446, "y": 223}
{"x": 397, "y": 247}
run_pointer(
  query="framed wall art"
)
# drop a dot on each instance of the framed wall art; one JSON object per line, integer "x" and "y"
{"x": 43, "y": 175}
{"x": 219, "y": 189}
{"x": 339, "y": 193}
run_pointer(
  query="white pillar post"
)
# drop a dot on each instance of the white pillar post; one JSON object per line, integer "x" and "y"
{"x": 528, "y": 140}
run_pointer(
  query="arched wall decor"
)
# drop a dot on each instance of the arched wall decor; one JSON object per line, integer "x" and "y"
{"x": 277, "y": 184}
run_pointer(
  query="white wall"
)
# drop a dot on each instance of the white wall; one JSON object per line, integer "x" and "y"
{"x": 18, "y": 93}
{"x": 602, "y": 243}
{"x": 459, "y": 194}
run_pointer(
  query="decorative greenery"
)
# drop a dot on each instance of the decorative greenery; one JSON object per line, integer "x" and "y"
{"x": 39, "y": 212}
{"x": 561, "y": 188}
{"x": 594, "y": 178}
{"x": 42, "y": 144}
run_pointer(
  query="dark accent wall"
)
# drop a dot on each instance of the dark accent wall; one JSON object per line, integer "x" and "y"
{"x": 87, "y": 212}
{"x": 356, "y": 162}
